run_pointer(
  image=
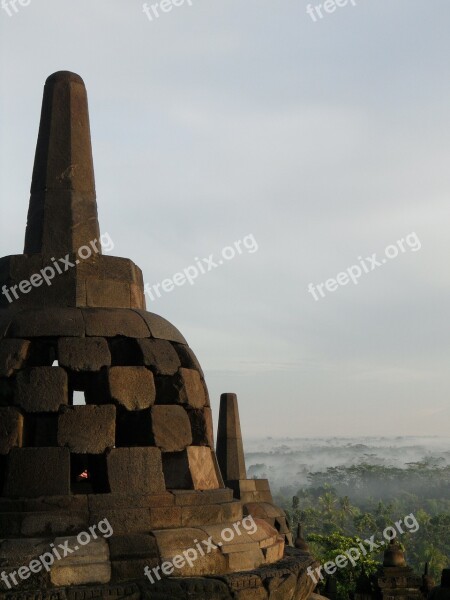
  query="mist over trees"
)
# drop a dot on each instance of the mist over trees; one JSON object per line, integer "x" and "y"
{"x": 345, "y": 490}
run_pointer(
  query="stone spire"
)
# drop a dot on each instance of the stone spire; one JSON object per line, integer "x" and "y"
{"x": 428, "y": 582}
{"x": 254, "y": 494}
{"x": 63, "y": 264}
{"x": 62, "y": 215}
{"x": 230, "y": 448}
{"x": 300, "y": 542}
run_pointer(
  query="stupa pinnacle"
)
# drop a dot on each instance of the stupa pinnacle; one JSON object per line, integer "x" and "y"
{"x": 62, "y": 215}
{"x": 118, "y": 493}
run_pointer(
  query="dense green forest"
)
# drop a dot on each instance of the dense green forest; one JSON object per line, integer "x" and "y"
{"x": 341, "y": 506}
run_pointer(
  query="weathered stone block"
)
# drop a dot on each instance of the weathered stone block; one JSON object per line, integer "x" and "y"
{"x": 232, "y": 511}
{"x": 265, "y": 534}
{"x": 132, "y": 569}
{"x": 173, "y": 541}
{"x": 274, "y": 552}
{"x": 188, "y": 358}
{"x": 34, "y": 472}
{"x": 193, "y": 468}
{"x": 247, "y": 485}
{"x": 125, "y": 521}
{"x": 132, "y": 387}
{"x": 171, "y": 428}
{"x": 282, "y": 587}
{"x": 107, "y": 293}
{"x": 197, "y": 498}
{"x": 119, "y": 269}
{"x": 47, "y": 322}
{"x": 137, "y": 298}
{"x": 202, "y": 468}
{"x": 87, "y": 429}
{"x": 198, "y": 516}
{"x": 239, "y": 545}
{"x": 42, "y": 389}
{"x": 135, "y": 471}
{"x": 13, "y": 354}
{"x": 100, "y": 502}
{"x": 160, "y": 328}
{"x": 167, "y": 516}
{"x": 122, "y": 547}
{"x": 83, "y": 354}
{"x": 17, "y": 552}
{"x": 110, "y": 322}
{"x": 160, "y": 356}
{"x": 264, "y": 510}
{"x": 262, "y": 485}
{"x": 54, "y": 504}
{"x": 245, "y": 561}
{"x": 258, "y": 593}
{"x": 47, "y": 523}
{"x": 11, "y": 429}
{"x": 88, "y": 564}
{"x": 191, "y": 388}
{"x": 128, "y": 591}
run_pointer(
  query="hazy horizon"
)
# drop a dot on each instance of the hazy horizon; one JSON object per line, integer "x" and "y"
{"x": 287, "y": 462}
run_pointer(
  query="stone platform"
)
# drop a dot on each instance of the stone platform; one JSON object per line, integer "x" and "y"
{"x": 286, "y": 580}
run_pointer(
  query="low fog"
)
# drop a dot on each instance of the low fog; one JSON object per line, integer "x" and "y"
{"x": 286, "y": 462}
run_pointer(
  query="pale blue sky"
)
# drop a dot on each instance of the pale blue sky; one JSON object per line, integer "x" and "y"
{"x": 325, "y": 140}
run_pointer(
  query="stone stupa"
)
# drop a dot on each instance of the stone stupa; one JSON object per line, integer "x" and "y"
{"x": 105, "y": 417}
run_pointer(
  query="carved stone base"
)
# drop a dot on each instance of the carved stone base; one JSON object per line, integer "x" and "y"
{"x": 286, "y": 580}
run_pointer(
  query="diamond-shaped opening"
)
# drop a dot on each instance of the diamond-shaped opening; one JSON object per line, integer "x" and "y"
{"x": 198, "y": 427}
{"x": 279, "y": 524}
{"x": 40, "y": 430}
{"x": 166, "y": 392}
{"x": 88, "y": 474}
{"x": 176, "y": 471}
{"x": 133, "y": 428}
{"x": 42, "y": 353}
{"x": 88, "y": 388}
{"x": 125, "y": 352}
{"x": 3, "y": 460}
{"x": 6, "y": 392}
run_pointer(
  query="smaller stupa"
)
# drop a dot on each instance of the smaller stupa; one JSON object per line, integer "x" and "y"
{"x": 442, "y": 592}
{"x": 396, "y": 580}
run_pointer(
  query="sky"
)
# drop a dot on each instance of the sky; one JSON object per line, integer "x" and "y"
{"x": 313, "y": 142}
